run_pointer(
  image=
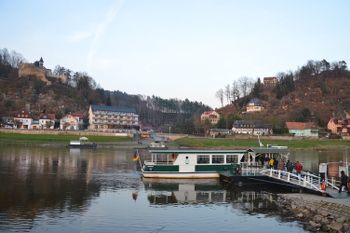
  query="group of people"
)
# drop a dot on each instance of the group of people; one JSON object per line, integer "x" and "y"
{"x": 297, "y": 167}
{"x": 288, "y": 166}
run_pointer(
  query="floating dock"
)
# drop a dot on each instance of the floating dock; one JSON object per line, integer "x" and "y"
{"x": 305, "y": 182}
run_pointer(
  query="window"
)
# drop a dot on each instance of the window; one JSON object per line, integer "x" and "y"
{"x": 231, "y": 159}
{"x": 217, "y": 159}
{"x": 203, "y": 159}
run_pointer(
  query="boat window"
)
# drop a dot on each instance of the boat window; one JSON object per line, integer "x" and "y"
{"x": 203, "y": 159}
{"x": 202, "y": 197}
{"x": 161, "y": 158}
{"x": 231, "y": 158}
{"x": 217, "y": 159}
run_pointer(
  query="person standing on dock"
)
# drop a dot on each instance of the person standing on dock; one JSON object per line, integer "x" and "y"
{"x": 344, "y": 179}
{"x": 289, "y": 166}
{"x": 298, "y": 168}
{"x": 271, "y": 163}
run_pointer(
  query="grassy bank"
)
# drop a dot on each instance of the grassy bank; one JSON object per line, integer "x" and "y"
{"x": 244, "y": 143}
{"x": 58, "y": 138}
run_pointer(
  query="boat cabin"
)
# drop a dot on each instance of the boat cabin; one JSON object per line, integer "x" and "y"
{"x": 205, "y": 163}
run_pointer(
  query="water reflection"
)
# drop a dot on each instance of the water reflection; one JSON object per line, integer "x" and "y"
{"x": 196, "y": 192}
{"x": 56, "y": 180}
{"x": 50, "y": 188}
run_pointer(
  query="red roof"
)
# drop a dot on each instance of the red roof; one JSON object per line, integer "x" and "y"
{"x": 300, "y": 125}
{"x": 23, "y": 114}
{"x": 78, "y": 114}
{"x": 270, "y": 78}
{"x": 208, "y": 112}
{"x": 50, "y": 116}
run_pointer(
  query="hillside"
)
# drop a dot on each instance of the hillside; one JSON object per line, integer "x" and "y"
{"x": 76, "y": 91}
{"x": 315, "y": 92}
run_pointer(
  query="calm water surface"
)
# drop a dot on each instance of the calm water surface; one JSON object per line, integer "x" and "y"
{"x": 49, "y": 188}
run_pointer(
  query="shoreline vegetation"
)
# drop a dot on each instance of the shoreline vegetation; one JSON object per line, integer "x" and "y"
{"x": 185, "y": 141}
{"x": 197, "y": 142}
{"x": 60, "y": 137}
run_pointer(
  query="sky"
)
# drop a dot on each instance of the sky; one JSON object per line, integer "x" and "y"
{"x": 176, "y": 48}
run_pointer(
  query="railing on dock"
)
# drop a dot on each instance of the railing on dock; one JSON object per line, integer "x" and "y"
{"x": 305, "y": 179}
{"x": 250, "y": 168}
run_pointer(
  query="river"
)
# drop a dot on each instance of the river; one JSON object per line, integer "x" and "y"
{"x": 50, "y": 188}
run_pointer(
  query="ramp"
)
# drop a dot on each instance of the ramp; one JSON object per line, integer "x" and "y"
{"x": 304, "y": 180}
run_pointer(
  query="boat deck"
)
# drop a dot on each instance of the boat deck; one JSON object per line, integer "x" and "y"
{"x": 306, "y": 182}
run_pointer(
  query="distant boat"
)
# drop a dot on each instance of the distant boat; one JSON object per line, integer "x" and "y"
{"x": 157, "y": 145}
{"x": 83, "y": 142}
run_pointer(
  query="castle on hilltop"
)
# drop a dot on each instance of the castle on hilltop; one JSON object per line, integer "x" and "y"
{"x": 38, "y": 70}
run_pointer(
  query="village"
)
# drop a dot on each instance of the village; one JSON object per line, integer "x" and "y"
{"x": 103, "y": 118}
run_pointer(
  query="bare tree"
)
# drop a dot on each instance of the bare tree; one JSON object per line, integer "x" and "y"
{"x": 235, "y": 93}
{"x": 16, "y": 59}
{"x": 244, "y": 84}
{"x": 228, "y": 93}
{"x": 13, "y": 59}
{"x": 220, "y": 95}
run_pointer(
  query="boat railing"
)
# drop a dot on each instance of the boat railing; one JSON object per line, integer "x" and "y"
{"x": 245, "y": 165}
{"x": 304, "y": 179}
{"x": 250, "y": 168}
{"x": 159, "y": 162}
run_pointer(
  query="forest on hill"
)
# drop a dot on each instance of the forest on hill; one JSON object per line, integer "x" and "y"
{"x": 315, "y": 92}
{"x": 80, "y": 90}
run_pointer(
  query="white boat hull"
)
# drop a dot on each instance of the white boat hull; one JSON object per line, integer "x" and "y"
{"x": 184, "y": 175}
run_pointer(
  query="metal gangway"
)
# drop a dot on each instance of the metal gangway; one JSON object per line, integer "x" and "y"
{"x": 305, "y": 180}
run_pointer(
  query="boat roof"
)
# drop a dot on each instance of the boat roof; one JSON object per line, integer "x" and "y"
{"x": 195, "y": 151}
{"x": 271, "y": 150}
{"x": 258, "y": 150}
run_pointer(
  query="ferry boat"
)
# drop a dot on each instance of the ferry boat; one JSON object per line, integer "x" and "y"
{"x": 188, "y": 163}
{"x": 83, "y": 142}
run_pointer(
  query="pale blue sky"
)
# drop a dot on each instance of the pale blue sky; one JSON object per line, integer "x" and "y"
{"x": 176, "y": 49}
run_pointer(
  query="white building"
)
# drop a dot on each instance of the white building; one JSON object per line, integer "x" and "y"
{"x": 251, "y": 127}
{"x": 23, "y": 120}
{"x": 212, "y": 116}
{"x": 254, "y": 105}
{"x": 109, "y": 118}
{"x": 72, "y": 121}
{"x": 47, "y": 121}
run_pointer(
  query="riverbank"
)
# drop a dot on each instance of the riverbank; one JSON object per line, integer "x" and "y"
{"x": 316, "y": 213}
{"x": 240, "y": 141}
{"x": 295, "y": 143}
{"x": 62, "y": 137}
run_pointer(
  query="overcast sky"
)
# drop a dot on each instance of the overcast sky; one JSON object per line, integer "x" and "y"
{"x": 176, "y": 49}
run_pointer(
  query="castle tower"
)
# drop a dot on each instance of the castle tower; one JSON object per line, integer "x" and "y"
{"x": 41, "y": 63}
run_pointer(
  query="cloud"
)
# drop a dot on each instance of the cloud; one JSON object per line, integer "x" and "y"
{"x": 79, "y": 36}
{"x": 100, "y": 31}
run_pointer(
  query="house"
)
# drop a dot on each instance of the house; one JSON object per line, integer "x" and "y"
{"x": 302, "y": 129}
{"x": 35, "y": 124}
{"x": 72, "y": 121}
{"x": 219, "y": 132}
{"x": 340, "y": 126}
{"x": 251, "y": 127}
{"x": 254, "y": 105}
{"x": 270, "y": 82}
{"x": 23, "y": 120}
{"x": 212, "y": 116}
{"x": 110, "y": 118}
{"x": 7, "y": 122}
{"x": 47, "y": 121}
